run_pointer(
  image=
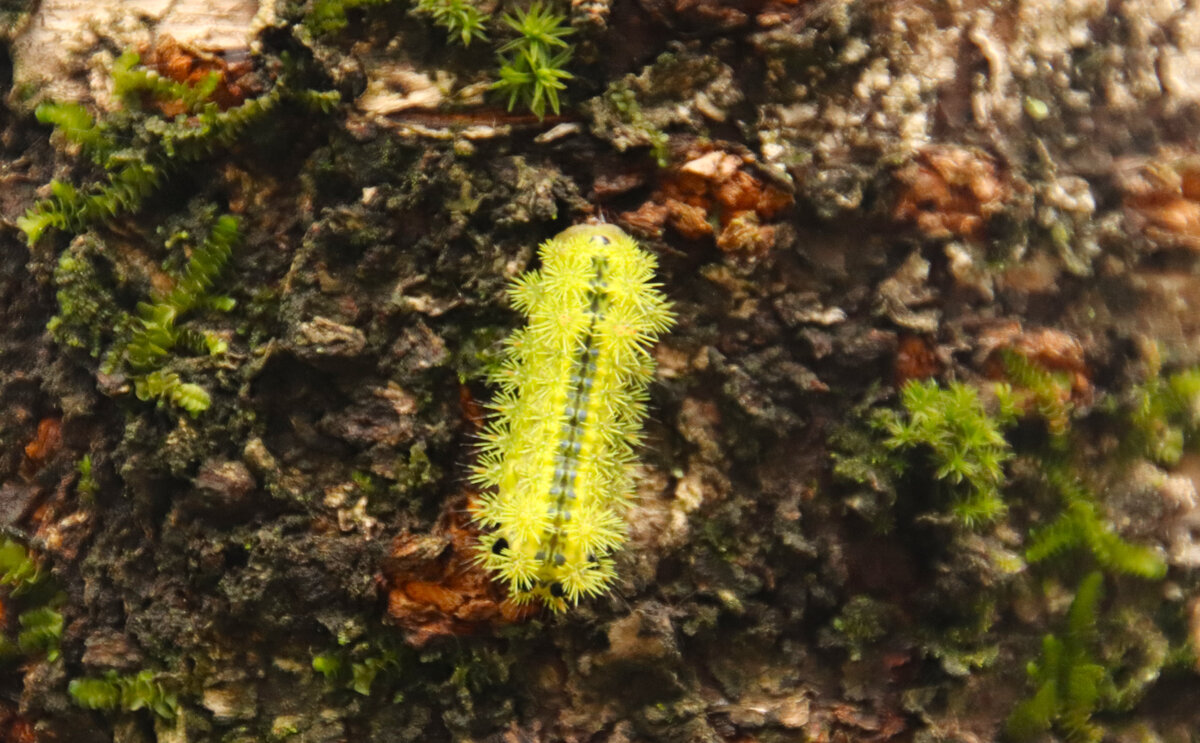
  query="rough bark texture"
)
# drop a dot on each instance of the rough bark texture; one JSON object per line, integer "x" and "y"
{"x": 844, "y": 197}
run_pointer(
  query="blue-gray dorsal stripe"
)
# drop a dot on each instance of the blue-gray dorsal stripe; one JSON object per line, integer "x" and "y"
{"x": 570, "y": 441}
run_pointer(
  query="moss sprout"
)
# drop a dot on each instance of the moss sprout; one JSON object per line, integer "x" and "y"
{"x": 75, "y": 124}
{"x": 1069, "y": 680}
{"x": 328, "y": 665}
{"x": 86, "y": 484}
{"x": 356, "y": 667}
{"x": 463, "y": 21}
{"x": 39, "y": 622}
{"x": 532, "y": 64}
{"x": 156, "y": 333}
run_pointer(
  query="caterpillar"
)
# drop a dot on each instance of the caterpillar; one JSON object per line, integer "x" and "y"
{"x": 556, "y": 455}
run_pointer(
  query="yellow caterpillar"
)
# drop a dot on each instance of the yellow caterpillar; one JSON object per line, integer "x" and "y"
{"x": 556, "y": 457}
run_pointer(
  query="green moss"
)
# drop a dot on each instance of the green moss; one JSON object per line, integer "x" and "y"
{"x": 39, "y": 621}
{"x": 328, "y": 665}
{"x": 862, "y": 622}
{"x": 41, "y": 630}
{"x": 139, "y": 149}
{"x": 624, "y": 101}
{"x": 356, "y": 666}
{"x": 950, "y": 432}
{"x": 416, "y": 472}
{"x": 959, "y": 658}
{"x": 169, "y": 387}
{"x": 476, "y": 682}
{"x": 1069, "y": 680}
{"x": 463, "y": 21}
{"x": 870, "y": 469}
{"x": 74, "y": 123}
{"x": 363, "y": 672}
{"x": 1081, "y": 526}
{"x": 470, "y": 683}
{"x": 965, "y": 447}
{"x": 132, "y": 83}
{"x": 532, "y": 65}
{"x": 967, "y": 647}
{"x": 951, "y": 437}
{"x": 144, "y": 690}
{"x": 328, "y": 17}
{"x": 962, "y": 441}
{"x": 1047, "y": 393}
{"x": 155, "y": 332}
{"x": 1136, "y": 650}
{"x": 1164, "y": 415}
{"x": 19, "y": 568}
{"x": 86, "y": 484}
{"x": 70, "y": 209}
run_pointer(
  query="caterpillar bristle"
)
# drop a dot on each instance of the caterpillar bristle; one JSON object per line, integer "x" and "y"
{"x": 557, "y": 454}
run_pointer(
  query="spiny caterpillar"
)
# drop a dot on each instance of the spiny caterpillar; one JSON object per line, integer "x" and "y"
{"x": 556, "y": 456}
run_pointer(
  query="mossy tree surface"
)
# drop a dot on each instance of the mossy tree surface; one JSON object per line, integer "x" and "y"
{"x": 920, "y": 452}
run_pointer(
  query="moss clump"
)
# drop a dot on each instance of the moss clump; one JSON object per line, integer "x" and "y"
{"x": 622, "y": 100}
{"x": 962, "y": 650}
{"x": 132, "y": 83}
{"x": 1164, "y": 415}
{"x": 41, "y": 630}
{"x": 18, "y": 568}
{"x": 86, "y": 311}
{"x": 328, "y": 17}
{"x": 86, "y": 485}
{"x": 949, "y": 437}
{"x": 463, "y": 21}
{"x": 142, "y": 343}
{"x": 950, "y": 432}
{"x": 532, "y": 64}
{"x": 142, "y": 690}
{"x": 861, "y": 622}
{"x": 138, "y": 149}
{"x": 1040, "y": 390}
{"x": 154, "y": 333}
{"x": 962, "y": 440}
{"x": 356, "y": 667}
{"x": 71, "y": 210}
{"x": 40, "y": 622}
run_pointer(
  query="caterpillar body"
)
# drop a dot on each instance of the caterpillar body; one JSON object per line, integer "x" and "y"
{"x": 557, "y": 454}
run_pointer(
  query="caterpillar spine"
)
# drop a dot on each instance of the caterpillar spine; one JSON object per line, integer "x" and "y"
{"x": 557, "y": 454}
